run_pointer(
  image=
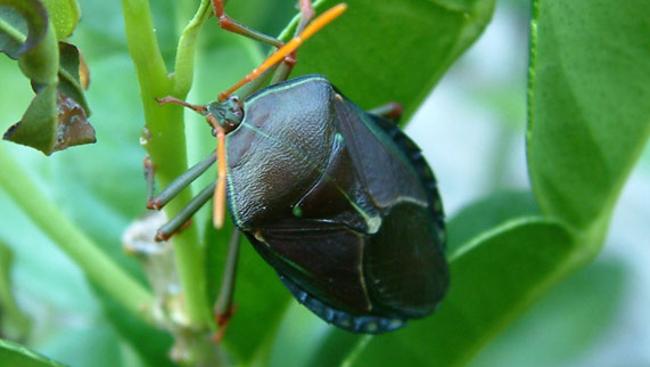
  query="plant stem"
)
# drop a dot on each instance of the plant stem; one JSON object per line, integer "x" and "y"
{"x": 166, "y": 144}
{"x": 97, "y": 266}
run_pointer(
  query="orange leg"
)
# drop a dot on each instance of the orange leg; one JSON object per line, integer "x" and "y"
{"x": 288, "y": 48}
{"x": 283, "y": 71}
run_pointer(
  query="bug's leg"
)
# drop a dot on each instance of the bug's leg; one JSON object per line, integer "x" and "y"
{"x": 183, "y": 217}
{"x": 223, "y": 309}
{"x": 391, "y": 111}
{"x": 149, "y": 176}
{"x": 229, "y": 24}
{"x": 286, "y": 50}
{"x": 159, "y": 201}
{"x": 285, "y": 67}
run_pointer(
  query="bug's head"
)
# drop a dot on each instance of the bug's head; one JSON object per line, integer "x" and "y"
{"x": 229, "y": 113}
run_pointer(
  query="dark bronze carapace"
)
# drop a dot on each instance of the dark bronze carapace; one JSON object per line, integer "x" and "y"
{"x": 340, "y": 202}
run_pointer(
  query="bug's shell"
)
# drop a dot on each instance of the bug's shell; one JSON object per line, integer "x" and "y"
{"x": 341, "y": 204}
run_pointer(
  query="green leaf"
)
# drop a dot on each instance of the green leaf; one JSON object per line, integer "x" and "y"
{"x": 494, "y": 277}
{"x": 103, "y": 209}
{"x": 589, "y": 116}
{"x": 37, "y": 128}
{"x": 155, "y": 351}
{"x": 313, "y": 342}
{"x": 15, "y": 41}
{"x": 14, "y": 355}
{"x": 560, "y": 329}
{"x": 64, "y": 15}
{"x": 487, "y": 214}
{"x": 393, "y": 50}
{"x": 57, "y": 117}
{"x": 52, "y": 122}
{"x": 13, "y": 322}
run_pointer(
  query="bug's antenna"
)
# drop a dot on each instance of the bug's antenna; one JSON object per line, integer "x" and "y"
{"x": 313, "y": 27}
{"x": 173, "y": 100}
{"x": 219, "y": 202}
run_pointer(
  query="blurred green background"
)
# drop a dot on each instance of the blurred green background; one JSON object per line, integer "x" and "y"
{"x": 471, "y": 129}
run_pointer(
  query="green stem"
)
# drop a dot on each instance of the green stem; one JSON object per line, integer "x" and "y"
{"x": 97, "y": 266}
{"x": 167, "y": 147}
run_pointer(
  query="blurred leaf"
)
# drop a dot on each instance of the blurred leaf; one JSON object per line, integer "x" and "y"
{"x": 566, "y": 324}
{"x": 151, "y": 344}
{"x": 64, "y": 15}
{"x": 393, "y": 50}
{"x": 588, "y": 107}
{"x": 95, "y": 345}
{"x": 14, "y": 324}
{"x": 494, "y": 277}
{"x": 312, "y": 342}
{"x": 105, "y": 206}
{"x": 15, "y": 355}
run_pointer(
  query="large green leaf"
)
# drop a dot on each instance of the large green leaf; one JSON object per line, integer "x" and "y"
{"x": 589, "y": 116}
{"x": 560, "y": 329}
{"x": 393, "y": 50}
{"x": 15, "y": 355}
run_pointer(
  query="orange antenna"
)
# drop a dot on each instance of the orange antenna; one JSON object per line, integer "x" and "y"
{"x": 313, "y": 27}
{"x": 219, "y": 203}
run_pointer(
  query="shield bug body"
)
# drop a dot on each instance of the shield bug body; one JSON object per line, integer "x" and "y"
{"x": 339, "y": 201}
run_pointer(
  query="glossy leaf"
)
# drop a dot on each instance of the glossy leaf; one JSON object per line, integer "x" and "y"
{"x": 14, "y": 355}
{"x": 393, "y": 50}
{"x": 588, "y": 106}
{"x": 486, "y": 214}
{"x": 560, "y": 329}
{"x": 496, "y": 275}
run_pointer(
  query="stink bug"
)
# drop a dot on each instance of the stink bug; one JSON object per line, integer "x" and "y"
{"x": 339, "y": 201}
